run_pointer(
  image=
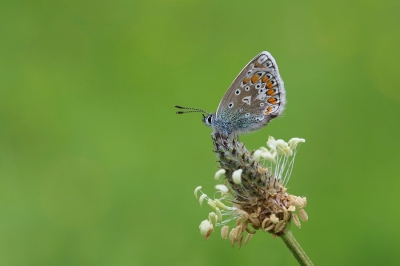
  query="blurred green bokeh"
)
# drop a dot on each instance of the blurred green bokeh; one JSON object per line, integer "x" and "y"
{"x": 96, "y": 169}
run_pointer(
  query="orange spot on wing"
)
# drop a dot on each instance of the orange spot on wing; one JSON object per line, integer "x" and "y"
{"x": 269, "y": 85}
{"x": 245, "y": 80}
{"x": 271, "y": 92}
{"x": 272, "y": 100}
{"x": 265, "y": 79}
{"x": 255, "y": 78}
{"x": 268, "y": 111}
{"x": 257, "y": 64}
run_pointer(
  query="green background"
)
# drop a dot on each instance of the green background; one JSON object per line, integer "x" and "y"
{"x": 96, "y": 169}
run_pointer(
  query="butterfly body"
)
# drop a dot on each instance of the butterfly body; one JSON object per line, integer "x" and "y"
{"x": 256, "y": 96}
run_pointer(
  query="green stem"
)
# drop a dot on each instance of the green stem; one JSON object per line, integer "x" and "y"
{"x": 295, "y": 248}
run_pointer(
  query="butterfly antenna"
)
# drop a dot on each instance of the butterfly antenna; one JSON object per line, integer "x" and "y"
{"x": 189, "y": 110}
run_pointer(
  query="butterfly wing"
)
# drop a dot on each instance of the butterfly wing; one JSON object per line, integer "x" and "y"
{"x": 256, "y": 96}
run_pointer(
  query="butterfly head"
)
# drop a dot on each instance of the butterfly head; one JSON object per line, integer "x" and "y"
{"x": 208, "y": 119}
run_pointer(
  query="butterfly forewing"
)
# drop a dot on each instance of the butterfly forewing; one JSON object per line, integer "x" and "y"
{"x": 256, "y": 95}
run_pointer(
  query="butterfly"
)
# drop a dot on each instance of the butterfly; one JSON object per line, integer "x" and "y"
{"x": 256, "y": 96}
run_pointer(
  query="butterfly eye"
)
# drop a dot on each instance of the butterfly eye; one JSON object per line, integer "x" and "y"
{"x": 247, "y": 88}
{"x": 237, "y": 92}
{"x": 209, "y": 118}
{"x": 230, "y": 105}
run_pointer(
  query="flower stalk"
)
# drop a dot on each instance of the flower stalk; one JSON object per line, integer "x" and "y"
{"x": 296, "y": 249}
